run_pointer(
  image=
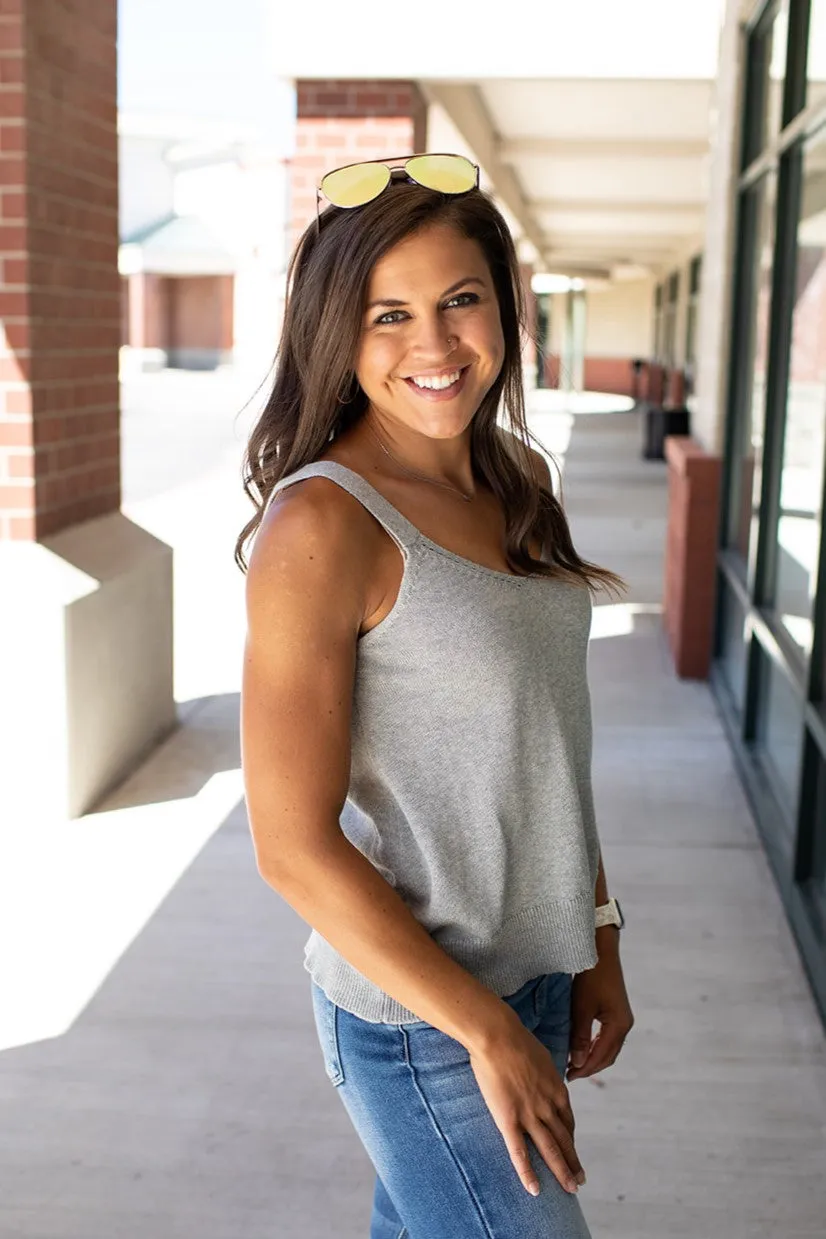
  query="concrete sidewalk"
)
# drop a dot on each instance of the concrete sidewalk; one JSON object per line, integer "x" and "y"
{"x": 162, "y": 1079}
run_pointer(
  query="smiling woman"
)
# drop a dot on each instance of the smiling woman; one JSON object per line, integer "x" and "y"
{"x": 427, "y": 359}
{"x": 416, "y": 728}
{"x": 460, "y": 281}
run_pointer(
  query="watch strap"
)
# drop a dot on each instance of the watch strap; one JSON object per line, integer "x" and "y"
{"x": 609, "y": 914}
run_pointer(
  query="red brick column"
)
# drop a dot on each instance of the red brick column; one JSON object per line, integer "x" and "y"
{"x": 691, "y": 554}
{"x": 609, "y": 374}
{"x": 60, "y": 298}
{"x": 676, "y": 389}
{"x": 340, "y": 122}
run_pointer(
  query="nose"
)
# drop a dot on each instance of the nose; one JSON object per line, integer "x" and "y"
{"x": 433, "y": 339}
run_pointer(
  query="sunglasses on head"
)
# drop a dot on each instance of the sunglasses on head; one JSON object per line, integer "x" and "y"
{"x": 359, "y": 183}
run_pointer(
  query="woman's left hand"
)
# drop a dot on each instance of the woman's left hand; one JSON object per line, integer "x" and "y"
{"x": 599, "y": 994}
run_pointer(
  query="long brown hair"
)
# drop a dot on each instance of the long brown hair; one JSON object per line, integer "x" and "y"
{"x": 316, "y": 394}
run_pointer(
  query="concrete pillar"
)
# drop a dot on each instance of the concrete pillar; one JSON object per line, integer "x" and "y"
{"x": 85, "y": 623}
{"x": 529, "y": 353}
{"x": 341, "y": 122}
{"x": 714, "y": 325}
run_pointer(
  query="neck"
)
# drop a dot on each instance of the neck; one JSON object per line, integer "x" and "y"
{"x": 447, "y": 461}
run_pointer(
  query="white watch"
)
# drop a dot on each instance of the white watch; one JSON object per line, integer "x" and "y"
{"x": 609, "y": 914}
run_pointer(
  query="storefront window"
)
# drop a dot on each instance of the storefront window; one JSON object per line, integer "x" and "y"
{"x": 766, "y": 80}
{"x": 780, "y": 734}
{"x": 733, "y": 635}
{"x": 804, "y": 448}
{"x": 819, "y": 848}
{"x": 758, "y": 223}
{"x": 692, "y": 318}
{"x": 816, "y": 58}
{"x": 658, "y": 323}
{"x": 769, "y": 675}
{"x": 672, "y": 296}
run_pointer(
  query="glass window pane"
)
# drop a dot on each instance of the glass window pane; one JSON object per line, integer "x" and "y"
{"x": 780, "y": 733}
{"x": 804, "y": 446}
{"x": 819, "y": 850}
{"x": 778, "y": 43}
{"x": 816, "y": 57}
{"x": 692, "y": 320}
{"x": 746, "y": 481}
{"x": 658, "y": 322}
{"x": 766, "y": 80}
{"x": 670, "y": 320}
{"x": 733, "y": 645}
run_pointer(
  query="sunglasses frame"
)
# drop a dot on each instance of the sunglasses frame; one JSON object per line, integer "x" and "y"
{"x": 396, "y": 163}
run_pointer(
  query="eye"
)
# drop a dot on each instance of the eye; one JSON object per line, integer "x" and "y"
{"x": 388, "y": 319}
{"x": 463, "y": 299}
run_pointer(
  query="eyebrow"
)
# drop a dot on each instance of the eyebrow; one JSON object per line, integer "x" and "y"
{"x": 470, "y": 279}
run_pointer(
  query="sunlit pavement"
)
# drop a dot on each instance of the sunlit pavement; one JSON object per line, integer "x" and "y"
{"x": 161, "y": 1075}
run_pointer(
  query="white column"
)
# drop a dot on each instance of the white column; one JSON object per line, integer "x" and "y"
{"x": 708, "y": 421}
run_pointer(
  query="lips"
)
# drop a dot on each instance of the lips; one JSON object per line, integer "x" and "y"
{"x": 440, "y": 393}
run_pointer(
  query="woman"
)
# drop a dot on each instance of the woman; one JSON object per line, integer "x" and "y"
{"x": 416, "y": 726}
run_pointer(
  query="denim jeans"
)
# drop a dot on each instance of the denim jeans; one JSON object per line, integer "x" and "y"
{"x": 443, "y": 1171}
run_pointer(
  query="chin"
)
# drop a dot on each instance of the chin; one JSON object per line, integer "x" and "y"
{"x": 445, "y": 425}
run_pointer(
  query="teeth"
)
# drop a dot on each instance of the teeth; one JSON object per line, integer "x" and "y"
{"x": 437, "y": 382}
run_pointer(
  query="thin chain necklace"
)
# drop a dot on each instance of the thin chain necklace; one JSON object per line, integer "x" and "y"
{"x": 421, "y": 476}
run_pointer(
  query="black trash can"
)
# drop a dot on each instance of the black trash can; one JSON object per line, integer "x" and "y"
{"x": 661, "y": 422}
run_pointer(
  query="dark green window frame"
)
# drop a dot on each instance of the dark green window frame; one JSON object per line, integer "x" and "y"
{"x": 794, "y": 834}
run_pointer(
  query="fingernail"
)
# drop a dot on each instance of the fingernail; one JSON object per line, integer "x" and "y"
{"x": 534, "y": 1189}
{"x": 581, "y": 1178}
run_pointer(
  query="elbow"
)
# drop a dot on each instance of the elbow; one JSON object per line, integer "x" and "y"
{"x": 285, "y": 865}
{"x": 284, "y": 874}
{"x": 273, "y": 873}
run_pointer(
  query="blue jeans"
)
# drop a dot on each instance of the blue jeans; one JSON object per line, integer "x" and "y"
{"x": 443, "y": 1171}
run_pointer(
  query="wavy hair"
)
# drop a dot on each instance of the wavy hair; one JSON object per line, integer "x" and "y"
{"x": 316, "y": 394}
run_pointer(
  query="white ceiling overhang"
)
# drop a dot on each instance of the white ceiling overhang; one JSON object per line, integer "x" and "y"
{"x": 591, "y": 121}
{"x": 597, "y": 174}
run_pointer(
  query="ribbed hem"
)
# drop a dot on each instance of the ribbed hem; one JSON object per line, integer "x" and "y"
{"x": 555, "y": 936}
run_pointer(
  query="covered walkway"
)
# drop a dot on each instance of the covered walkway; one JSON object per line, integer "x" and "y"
{"x": 161, "y": 1075}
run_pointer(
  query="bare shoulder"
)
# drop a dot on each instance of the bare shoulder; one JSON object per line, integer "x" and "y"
{"x": 311, "y": 550}
{"x": 539, "y": 464}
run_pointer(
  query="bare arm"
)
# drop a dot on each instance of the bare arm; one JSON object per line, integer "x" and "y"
{"x": 306, "y": 594}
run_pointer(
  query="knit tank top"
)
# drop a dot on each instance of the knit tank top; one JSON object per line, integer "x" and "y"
{"x": 470, "y": 779}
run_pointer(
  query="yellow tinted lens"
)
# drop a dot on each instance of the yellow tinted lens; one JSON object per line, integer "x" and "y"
{"x": 353, "y": 186}
{"x": 450, "y": 174}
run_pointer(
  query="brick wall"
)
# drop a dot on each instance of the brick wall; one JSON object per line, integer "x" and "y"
{"x": 691, "y": 554}
{"x": 200, "y": 312}
{"x": 60, "y": 300}
{"x": 613, "y": 375}
{"x": 609, "y": 374}
{"x": 340, "y": 122}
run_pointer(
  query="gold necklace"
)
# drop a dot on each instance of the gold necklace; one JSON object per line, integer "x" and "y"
{"x": 421, "y": 476}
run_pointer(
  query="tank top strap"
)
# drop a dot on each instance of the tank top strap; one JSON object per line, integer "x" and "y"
{"x": 398, "y": 526}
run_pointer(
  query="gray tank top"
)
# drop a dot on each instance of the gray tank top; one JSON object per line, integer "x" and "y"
{"x": 470, "y": 784}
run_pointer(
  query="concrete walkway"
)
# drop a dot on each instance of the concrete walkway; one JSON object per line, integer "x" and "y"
{"x": 162, "y": 1079}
